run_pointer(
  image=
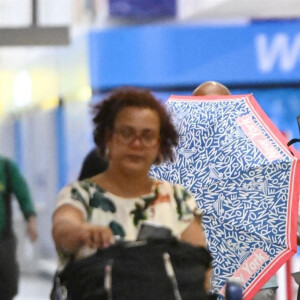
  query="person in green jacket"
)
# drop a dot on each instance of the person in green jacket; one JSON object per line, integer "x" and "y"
{"x": 12, "y": 182}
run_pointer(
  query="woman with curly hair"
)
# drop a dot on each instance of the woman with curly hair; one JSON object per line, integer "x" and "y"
{"x": 132, "y": 131}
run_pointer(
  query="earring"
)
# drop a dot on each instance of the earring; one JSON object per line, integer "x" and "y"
{"x": 106, "y": 154}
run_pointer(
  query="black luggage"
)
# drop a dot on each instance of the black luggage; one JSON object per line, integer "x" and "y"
{"x": 165, "y": 269}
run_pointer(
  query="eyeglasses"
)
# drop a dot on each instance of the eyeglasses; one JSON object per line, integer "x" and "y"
{"x": 127, "y": 135}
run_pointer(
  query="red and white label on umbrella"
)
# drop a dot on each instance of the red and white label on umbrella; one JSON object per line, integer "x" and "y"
{"x": 250, "y": 266}
{"x": 255, "y": 134}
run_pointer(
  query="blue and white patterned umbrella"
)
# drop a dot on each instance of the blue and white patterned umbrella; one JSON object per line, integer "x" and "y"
{"x": 244, "y": 178}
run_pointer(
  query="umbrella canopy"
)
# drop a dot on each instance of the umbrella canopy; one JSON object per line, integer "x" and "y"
{"x": 244, "y": 178}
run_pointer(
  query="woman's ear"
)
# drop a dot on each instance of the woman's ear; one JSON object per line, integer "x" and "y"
{"x": 107, "y": 154}
{"x": 108, "y": 137}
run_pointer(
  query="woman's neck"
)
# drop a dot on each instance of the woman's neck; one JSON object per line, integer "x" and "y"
{"x": 125, "y": 185}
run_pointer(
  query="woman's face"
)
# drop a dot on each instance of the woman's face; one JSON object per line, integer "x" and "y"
{"x": 134, "y": 143}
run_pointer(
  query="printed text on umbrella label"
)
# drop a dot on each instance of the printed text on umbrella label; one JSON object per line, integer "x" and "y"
{"x": 258, "y": 138}
{"x": 249, "y": 267}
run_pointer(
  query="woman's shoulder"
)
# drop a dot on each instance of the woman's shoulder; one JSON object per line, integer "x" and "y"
{"x": 161, "y": 182}
{"x": 84, "y": 185}
{"x": 71, "y": 185}
{"x": 184, "y": 199}
{"x": 76, "y": 190}
{"x": 179, "y": 189}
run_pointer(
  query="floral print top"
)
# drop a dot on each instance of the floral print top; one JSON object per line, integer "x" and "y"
{"x": 167, "y": 205}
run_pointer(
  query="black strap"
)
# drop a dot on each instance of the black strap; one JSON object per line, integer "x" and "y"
{"x": 293, "y": 141}
{"x": 7, "y": 231}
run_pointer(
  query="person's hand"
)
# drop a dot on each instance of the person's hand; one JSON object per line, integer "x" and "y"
{"x": 32, "y": 229}
{"x": 96, "y": 236}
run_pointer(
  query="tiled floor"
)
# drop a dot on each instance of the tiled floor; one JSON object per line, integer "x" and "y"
{"x": 34, "y": 287}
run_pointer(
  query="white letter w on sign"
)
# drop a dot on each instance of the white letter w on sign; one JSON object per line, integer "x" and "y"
{"x": 277, "y": 50}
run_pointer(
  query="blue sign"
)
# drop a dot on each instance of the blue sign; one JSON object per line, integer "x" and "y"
{"x": 142, "y": 9}
{"x": 162, "y": 56}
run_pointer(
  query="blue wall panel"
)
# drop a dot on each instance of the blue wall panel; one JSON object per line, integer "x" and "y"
{"x": 185, "y": 55}
{"x": 142, "y": 9}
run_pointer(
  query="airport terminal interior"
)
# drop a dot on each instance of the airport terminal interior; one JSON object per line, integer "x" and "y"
{"x": 59, "y": 57}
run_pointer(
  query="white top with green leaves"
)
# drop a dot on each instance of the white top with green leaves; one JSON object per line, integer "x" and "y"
{"x": 167, "y": 205}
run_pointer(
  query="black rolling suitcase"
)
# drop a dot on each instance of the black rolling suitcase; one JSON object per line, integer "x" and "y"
{"x": 151, "y": 269}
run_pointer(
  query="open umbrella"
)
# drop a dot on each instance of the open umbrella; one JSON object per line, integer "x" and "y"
{"x": 246, "y": 181}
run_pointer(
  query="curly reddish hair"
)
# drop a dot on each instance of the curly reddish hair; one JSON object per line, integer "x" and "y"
{"x": 106, "y": 111}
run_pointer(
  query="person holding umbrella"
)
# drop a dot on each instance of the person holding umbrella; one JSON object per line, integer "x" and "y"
{"x": 268, "y": 291}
